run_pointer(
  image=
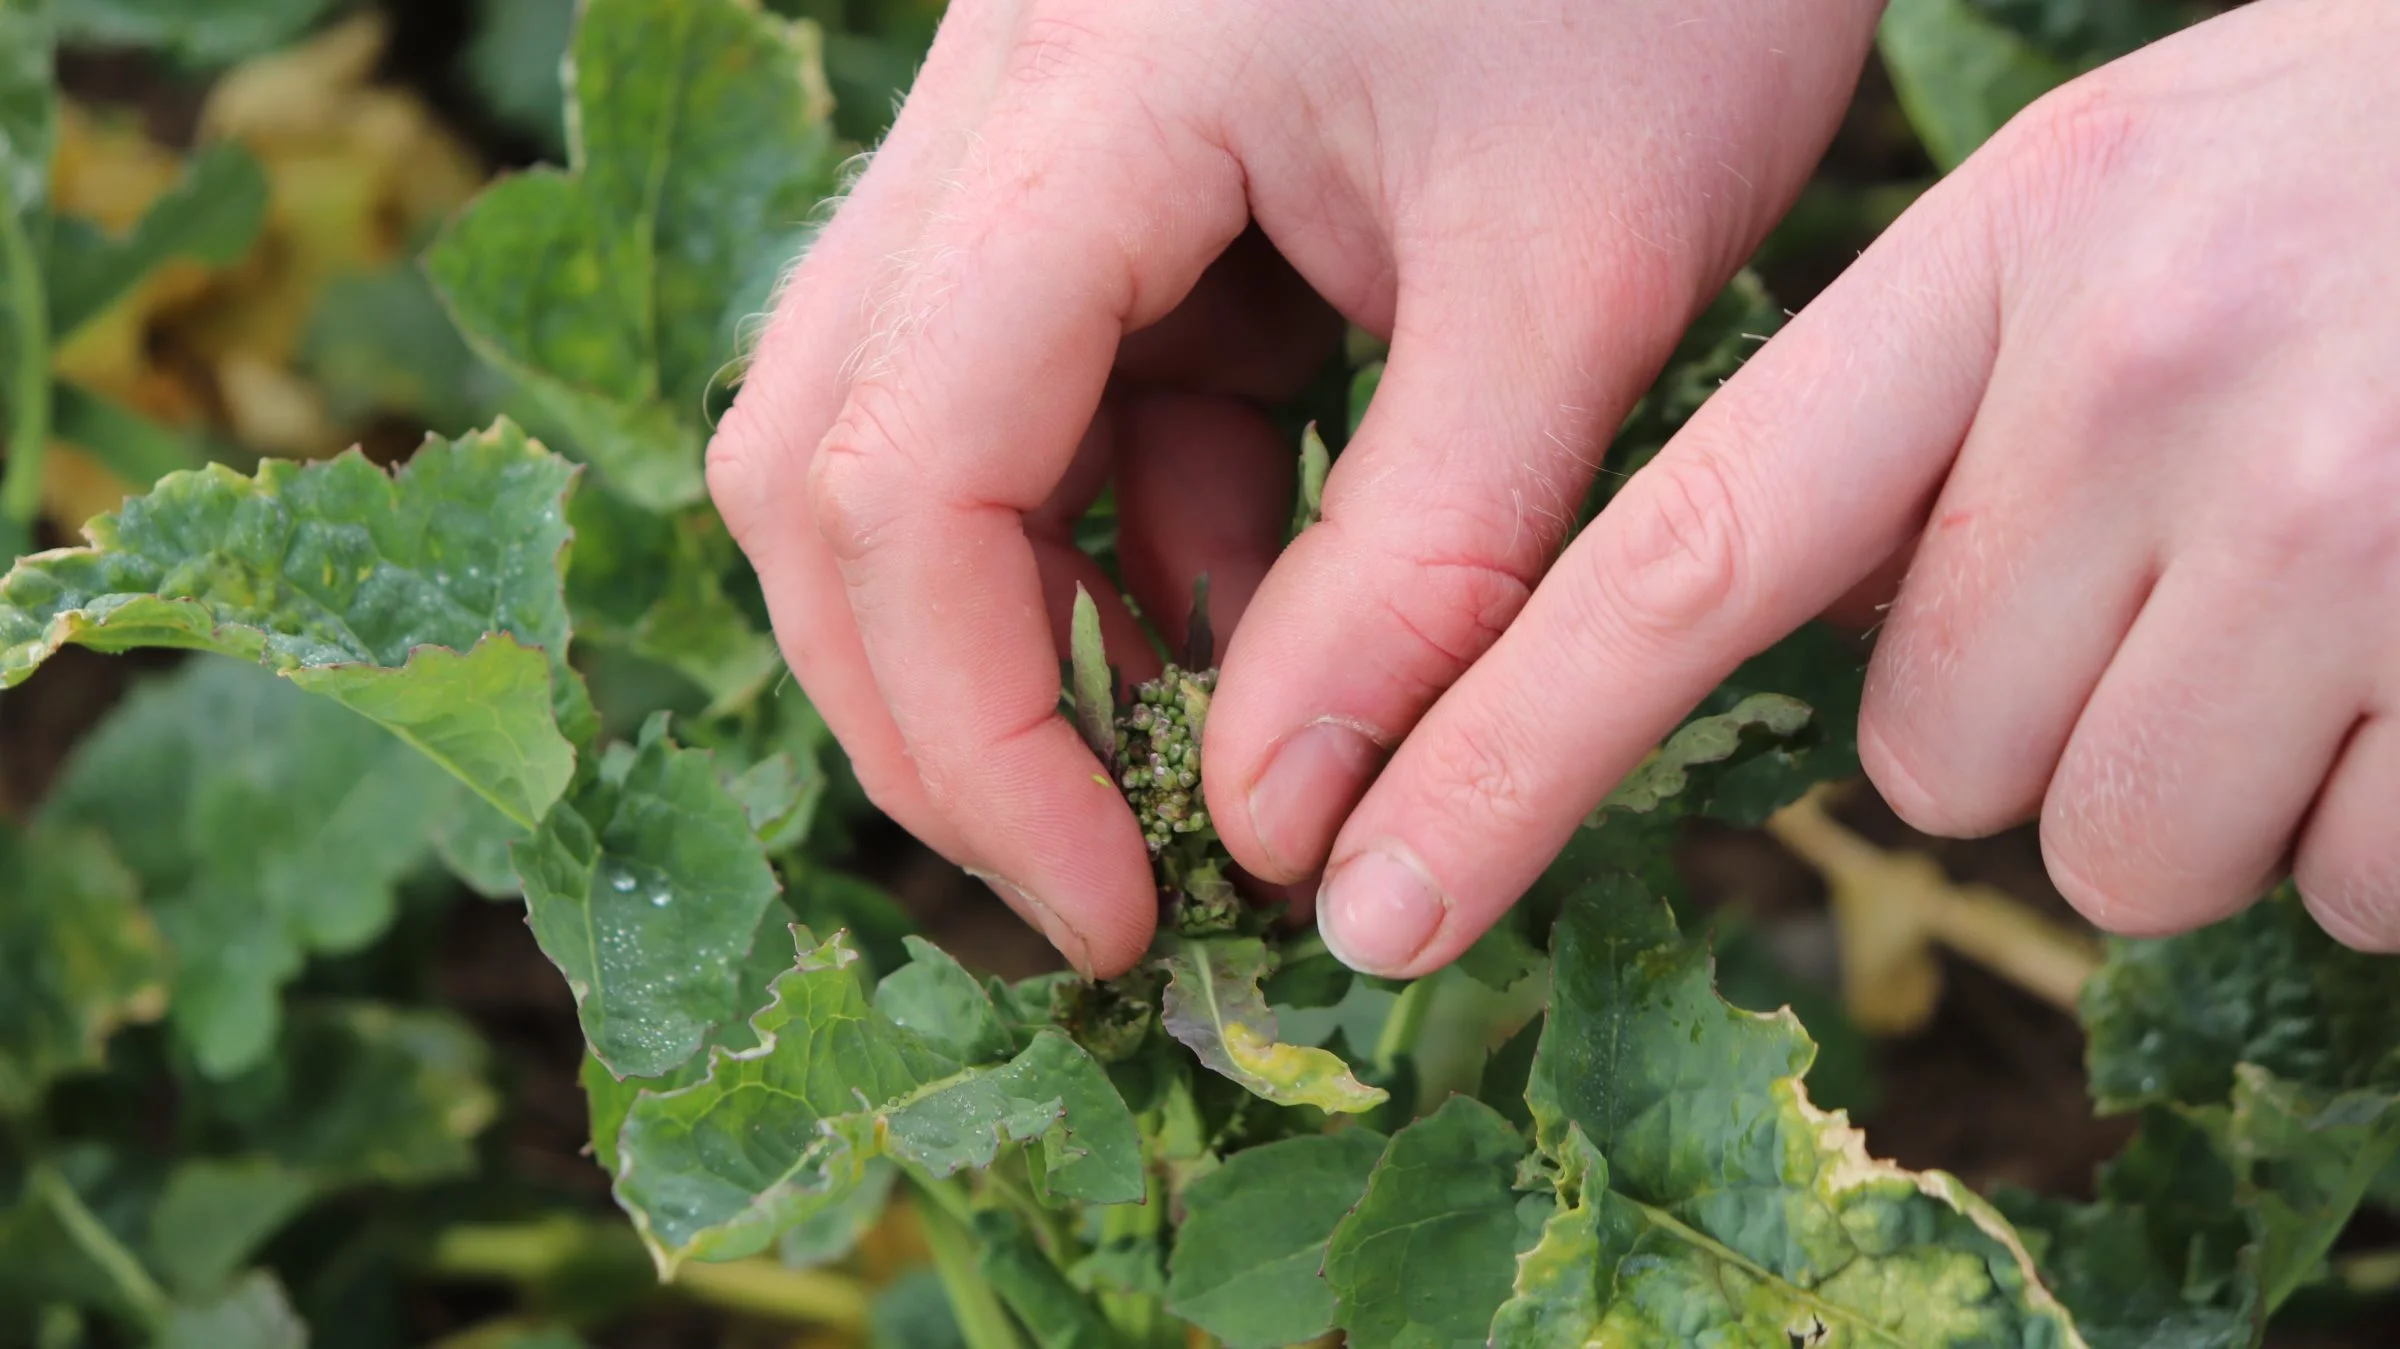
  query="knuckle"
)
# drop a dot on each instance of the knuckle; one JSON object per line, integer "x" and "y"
{"x": 1479, "y": 783}
{"x": 2328, "y": 504}
{"x": 859, "y": 483}
{"x": 1453, "y": 604}
{"x": 2053, "y": 158}
{"x": 1679, "y": 558}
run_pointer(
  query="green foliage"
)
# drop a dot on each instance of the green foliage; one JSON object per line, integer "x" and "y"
{"x": 1248, "y": 1258}
{"x": 78, "y": 958}
{"x": 615, "y": 291}
{"x": 645, "y": 888}
{"x": 1238, "y": 1136}
{"x": 429, "y": 600}
{"x": 263, "y": 824}
{"x": 213, "y": 34}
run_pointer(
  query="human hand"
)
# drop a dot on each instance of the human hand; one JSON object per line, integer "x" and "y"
{"x": 1531, "y": 197}
{"x": 2128, "y": 385}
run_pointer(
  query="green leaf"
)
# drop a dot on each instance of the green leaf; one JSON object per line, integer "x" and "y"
{"x": 656, "y": 585}
{"x": 214, "y": 34}
{"x": 1960, "y": 75}
{"x": 1734, "y": 1207}
{"x": 1426, "y": 1257}
{"x": 253, "y": 1315}
{"x": 2168, "y": 1020}
{"x": 215, "y": 1213}
{"x": 1053, "y": 1312}
{"x": 126, "y": 443}
{"x": 1247, "y": 1261}
{"x": 28, "y": 107}
{"x": 934, "y": 996}
{"x": 1213, "y": 1005}
{"x": 833, "y": 1232}
{"x": 78, "y": 958}
{"x": 210, "y": 215}
{"x": 2303, "y": 1160}
{"x": 2085, "y": 33}
{"x": 1564, "y": 1282}
{"x": 513, "y": 63}
{"x": 376, "y": 590}
{"x": 362, "y": 1093}
{"x": 775, "y": 1134}
{"x": 646, "y": 889}
{"x": 264, "y": 825}
{"x": 473, "y": 840}
{"x": 1309, "y": 506}
{"x": 1095, "y": 683}
{"x": 1757, "y": 723}
{"x": 616, "y": 291}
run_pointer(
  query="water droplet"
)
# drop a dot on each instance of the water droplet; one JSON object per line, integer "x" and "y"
{"x": 659, "y": 899}
{"x": 622, "y": 882}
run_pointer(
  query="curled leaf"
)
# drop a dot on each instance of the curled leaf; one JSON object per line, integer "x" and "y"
{"x": 1213, "y": 1005}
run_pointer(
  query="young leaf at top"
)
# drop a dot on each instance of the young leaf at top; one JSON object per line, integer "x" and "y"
{"x": 1732, "y": 1206}
{"x": 934, "y": 996}
{"x": 776, "y": 1134}
{"x": 78, "y": 958}
{"x": 428, "y": 600}
{"x": 645, "y": 888}
{"x": 616, "y": 290}
{"x": 213, "y": 34}
{"x": 264, "y": 825}
{"x": 1425, "y": 1258}
{"x": 1213, "y": 1005}
{"x": 1248, "y": 1259}
{"x": 1095, "y": 684}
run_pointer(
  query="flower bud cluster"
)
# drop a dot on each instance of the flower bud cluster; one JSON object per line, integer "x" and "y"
{"x": 1159, "y": 754}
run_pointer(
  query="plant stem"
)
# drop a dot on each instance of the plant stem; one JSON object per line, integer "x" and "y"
{"x": 1405, "y": 1023}
{"x": 533, "y": 1252}
{"x": 943, "y": 1215}
{"x": 29, "y": 390}
{"x": 149, "y": 1302}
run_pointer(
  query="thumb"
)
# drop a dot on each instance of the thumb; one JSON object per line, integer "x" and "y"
{"x": 1805, "y": 472}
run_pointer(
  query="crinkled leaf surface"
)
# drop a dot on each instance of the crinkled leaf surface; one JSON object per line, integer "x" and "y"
{"x": 210, "y": 215}
{"x": 363, "y": 1093}
{"x": 699, "y": 144}
{"x": 1758, "y": 721}
{"x": 78, "y": 957}
{"x": 264, "y": 825}
{"x": 1734, "y": 1207}
{"x": 2168, "y": 1019}
{"x": 253, "y": 1314}
{"x": 1248, "y": 1260}
{"x": 1213, "y": 1005}
{"x": 376, "y": 590}
{"x": 646, "y": 889}
{"x": 774, "y": 1134}
{"x": 1425, "y": 1258}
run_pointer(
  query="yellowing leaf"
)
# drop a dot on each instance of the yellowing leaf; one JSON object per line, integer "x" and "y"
{"x": 1213, "y": 1005}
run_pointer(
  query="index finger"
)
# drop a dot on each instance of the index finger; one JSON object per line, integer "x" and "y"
{"x": 1076, "y": 221}
{"x": 1810, "y": 467}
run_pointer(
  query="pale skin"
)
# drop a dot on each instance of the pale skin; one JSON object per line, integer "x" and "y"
{"x": 2119, "y": 401}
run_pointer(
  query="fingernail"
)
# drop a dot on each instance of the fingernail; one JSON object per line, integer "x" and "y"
{"x": 1312, "y": 780}
{"x": 1378, "y": 910}
{"x": 1069, "y": 942}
